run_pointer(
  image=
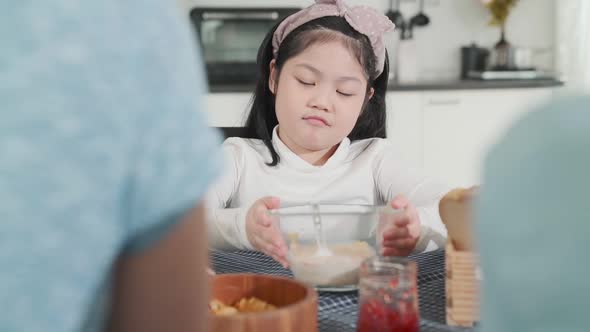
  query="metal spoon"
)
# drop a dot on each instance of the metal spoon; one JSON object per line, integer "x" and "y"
{"x": 319, "y": 233}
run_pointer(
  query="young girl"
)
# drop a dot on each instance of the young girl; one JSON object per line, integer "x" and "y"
{"x": 317, "y": 128}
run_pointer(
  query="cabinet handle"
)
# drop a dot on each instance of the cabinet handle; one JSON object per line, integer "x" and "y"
{"x": 444, "y": 102}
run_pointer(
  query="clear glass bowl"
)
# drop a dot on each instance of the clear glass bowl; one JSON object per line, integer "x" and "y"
{"x": 348, "y": 232}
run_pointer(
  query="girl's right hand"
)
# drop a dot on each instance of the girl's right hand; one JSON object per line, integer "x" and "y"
{"x": 263, "y": 233}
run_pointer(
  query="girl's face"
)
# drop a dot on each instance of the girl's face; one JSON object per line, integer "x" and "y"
{"x": 319, "y": 96}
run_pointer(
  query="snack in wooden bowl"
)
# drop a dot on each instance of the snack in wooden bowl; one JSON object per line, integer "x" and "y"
{"x": 252, "y": 302}
{"x": 246, "y": 304}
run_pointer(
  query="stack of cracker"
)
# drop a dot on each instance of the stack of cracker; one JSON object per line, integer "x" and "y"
{"x": 462, "y": 269}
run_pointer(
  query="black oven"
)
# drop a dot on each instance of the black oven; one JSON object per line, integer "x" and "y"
{"x": 230, "y": 38}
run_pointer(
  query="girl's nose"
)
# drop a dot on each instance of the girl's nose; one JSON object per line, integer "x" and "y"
{"x": 320, "y": 99}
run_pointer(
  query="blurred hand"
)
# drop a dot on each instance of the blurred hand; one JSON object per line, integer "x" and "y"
{"x": 402, "y": 230}
{"x": 263, "y": 233}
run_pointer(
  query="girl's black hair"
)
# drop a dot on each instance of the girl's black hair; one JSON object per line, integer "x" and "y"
{"x": 262, "y": 117}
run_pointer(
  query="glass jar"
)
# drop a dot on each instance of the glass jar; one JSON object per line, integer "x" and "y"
{"x": 388, "y": 296}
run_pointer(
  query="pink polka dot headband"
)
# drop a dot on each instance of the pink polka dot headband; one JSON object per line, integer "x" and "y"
{"x": 363, "y": 19}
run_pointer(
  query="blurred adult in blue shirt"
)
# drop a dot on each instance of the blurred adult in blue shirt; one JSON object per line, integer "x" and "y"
{"x": 104, "y": 158}
{"x": 534, "y": 221}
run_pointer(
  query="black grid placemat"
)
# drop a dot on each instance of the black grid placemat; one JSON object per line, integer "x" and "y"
{"x": 338, "y": 311}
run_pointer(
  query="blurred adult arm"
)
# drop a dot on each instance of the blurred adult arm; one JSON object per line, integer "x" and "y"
{"x": 164, "y": 288}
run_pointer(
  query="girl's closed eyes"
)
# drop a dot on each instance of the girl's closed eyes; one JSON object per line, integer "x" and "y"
{"x": 349, "y": 89}
{"x": 305, "y": 82}
{"x": 347, "y": 92}
{"x": 308, "y": 75}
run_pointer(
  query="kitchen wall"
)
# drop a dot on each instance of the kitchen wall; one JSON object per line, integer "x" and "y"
{"x": 454, "y": 23}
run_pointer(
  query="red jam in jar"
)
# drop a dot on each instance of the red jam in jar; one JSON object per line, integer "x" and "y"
{"x": 388, "y": 300}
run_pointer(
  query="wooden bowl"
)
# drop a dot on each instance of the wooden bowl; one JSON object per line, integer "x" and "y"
{"x": 296, "y": 303}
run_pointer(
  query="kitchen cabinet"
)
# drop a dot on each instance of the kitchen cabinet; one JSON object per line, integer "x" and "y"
{"x": 404, "y": 118}
{"x": 445, "y": 133}
{"x": 460, "y": 127}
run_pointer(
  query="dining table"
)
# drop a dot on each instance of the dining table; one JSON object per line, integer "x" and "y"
{"x": 338, "y": 311}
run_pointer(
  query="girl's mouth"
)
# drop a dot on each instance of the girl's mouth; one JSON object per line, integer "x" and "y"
{"x": 316, "y": 121}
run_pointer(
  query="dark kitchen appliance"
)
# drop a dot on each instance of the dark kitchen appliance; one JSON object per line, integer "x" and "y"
{"x": 230, "y": 38}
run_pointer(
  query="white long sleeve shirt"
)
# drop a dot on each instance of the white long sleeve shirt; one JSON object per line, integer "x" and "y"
{"x": 362, "y": 172}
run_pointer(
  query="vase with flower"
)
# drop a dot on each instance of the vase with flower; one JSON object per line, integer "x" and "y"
{"x": 502, "y": 52}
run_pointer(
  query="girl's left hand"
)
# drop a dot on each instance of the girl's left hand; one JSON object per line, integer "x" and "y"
{"x": 403, "y": 230}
